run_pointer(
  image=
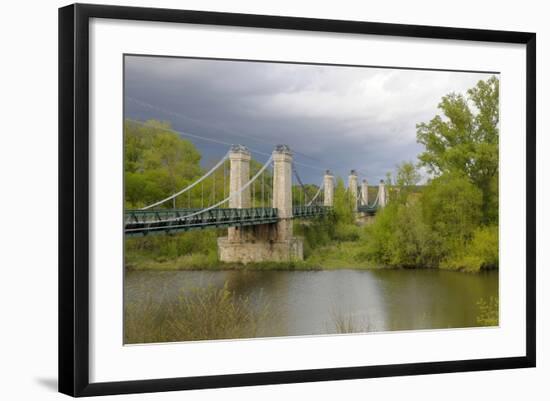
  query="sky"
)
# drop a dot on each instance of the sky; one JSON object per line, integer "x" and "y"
{"x": 332, "y": 117}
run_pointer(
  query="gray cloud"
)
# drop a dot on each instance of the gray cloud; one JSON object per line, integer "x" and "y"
{"x": 340, "y": 118}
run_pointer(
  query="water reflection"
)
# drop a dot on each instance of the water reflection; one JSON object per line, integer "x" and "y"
{"x": 319, "y": 302}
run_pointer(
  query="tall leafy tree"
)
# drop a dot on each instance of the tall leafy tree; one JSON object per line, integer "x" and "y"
{"x": 407, "y": 175}
{"x": 464, "y": 140}
{"x": 157, "y": 162}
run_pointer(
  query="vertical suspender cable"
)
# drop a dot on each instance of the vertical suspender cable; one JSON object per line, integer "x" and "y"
{"x": 214, "y": 188}
{"x": 263, "y": 184}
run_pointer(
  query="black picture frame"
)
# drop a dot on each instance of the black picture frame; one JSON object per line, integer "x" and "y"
{"x": 74, "y": 198}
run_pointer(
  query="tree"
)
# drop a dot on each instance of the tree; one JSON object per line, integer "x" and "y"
{"x": 407, "y": 175}
{"x": 451, "y": 208}
{"x": 343, "y": 204}
{"x": 465, "y": 140}
{"x": 157, "y": 162}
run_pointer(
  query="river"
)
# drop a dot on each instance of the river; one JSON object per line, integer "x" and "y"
{"x": 316, "y": 302}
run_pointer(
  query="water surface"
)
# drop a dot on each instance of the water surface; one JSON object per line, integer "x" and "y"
{"x": 313, "y": 302}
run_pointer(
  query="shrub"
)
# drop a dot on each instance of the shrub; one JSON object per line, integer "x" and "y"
{"x": 347, "y": 232}
{"x": 400, "y": 238}
{"x": 183, "y": 250}
{"x": 202, "y": 314}
{"x": 488, "y": 312}
{"x": 452, "y": 209}
{"x": 480, "y": 253}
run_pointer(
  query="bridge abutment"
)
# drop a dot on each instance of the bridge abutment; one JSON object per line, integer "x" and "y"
{"x": 268, "y": 242}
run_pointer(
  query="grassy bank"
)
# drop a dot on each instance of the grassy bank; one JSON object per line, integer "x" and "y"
{"x": 342, "y": 255}
{"x": 326, "y": 246}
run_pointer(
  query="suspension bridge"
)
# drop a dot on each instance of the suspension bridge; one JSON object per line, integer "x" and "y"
{"x": 257, "y": 209}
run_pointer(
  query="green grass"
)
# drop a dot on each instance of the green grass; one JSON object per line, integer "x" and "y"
{"x": 488, "y": 312}
{"x": 335, "y": 255}
{"x": 326, "y": 246}
{"x": 201, "y": 314}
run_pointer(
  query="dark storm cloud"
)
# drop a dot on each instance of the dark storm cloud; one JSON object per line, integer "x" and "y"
{"x": 339, "y": 118}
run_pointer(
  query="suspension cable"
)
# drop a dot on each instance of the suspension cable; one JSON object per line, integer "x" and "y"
{"x": 224, "y": 200}
{"x": 189, "y": 186}
{"x": 317, "y": 193}
{"x": 299, "y": 181}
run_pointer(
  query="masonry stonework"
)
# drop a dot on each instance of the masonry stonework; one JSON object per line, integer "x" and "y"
{"x": 352, "y": 187}
{"x": 268, "y": 242}
{"x": 328, "y": 184}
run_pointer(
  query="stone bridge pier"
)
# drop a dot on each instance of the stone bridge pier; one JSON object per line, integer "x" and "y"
{"x": 267, "y": 242}
{"x": 364, "y": 193}
{"x": 328, "y": 185}
{"x": 352, "y": 188}
{"x": 382, "y": 199}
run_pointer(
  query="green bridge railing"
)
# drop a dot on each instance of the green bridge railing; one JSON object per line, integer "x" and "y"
{"x": 310, "y": 211}
{"x": 371, "y": 211}
{"x": 139, "y": 222}
{"x": 167, "y": 221}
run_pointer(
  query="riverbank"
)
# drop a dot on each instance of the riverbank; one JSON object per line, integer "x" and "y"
{"x": 326, "y": 247}
{"x": 342, "y": 255}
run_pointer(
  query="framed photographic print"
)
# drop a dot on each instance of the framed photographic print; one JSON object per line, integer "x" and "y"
{"x": 251, "y": 199}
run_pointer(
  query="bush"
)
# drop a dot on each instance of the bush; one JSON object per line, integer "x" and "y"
{"x": 346, "y": 232}
{"x": 452, "y": 209}
{"x": 400, "y": 238}
{"x": 435, "y": 228}
{"x": 202, "y": 314}
{"x": 195, "y": 249}
{"x": 316, "y": 233}
{"x": 481, "y": 253}
{"x": 488, "y": 312}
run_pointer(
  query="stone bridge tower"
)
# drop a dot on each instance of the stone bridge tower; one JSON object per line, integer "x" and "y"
{"x": 328, "y": 185}
{"x": 266, "y": 242}
{"x": 382, "y": 198}
{"x": 364, "y": 193}
{"x": 352, "y": 188}
{"x": 239, "y": 174}
{"x": 282, "y": 190}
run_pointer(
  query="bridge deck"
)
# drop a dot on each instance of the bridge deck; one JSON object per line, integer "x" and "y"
{"x": 167, "y": 221}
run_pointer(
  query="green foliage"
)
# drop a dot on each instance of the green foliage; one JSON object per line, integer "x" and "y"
{"x": 452, "y": 222}
{"x": 346, "y": 232}
{"x": 315, "y": 233}
{"x": 343, "y": 203}
{"x": 451, "y": 208}
{"x": 206, "y": 313}
{"x": 399, "y": 237}
{"x": 430, "y": 228}
{"x": 466, "y": 142}
{"x": 488, "y": 312}
{"x": 406, "y": 182}
{"x": 188, "y": 250}
{"x": 261, "y": 189}
{"x": 407, "y": 175}
{"x": 157, "y": 162}
{"x": 481, "y": 253}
